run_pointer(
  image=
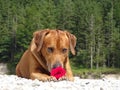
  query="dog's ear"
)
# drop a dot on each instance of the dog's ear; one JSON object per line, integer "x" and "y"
{"x": 72, "y": 40}
{"x": 39, "y": 37}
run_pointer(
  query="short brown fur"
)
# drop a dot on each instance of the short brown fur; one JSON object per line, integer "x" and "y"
{"x": 48, "y": 49}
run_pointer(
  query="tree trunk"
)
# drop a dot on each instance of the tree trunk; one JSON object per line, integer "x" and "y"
{"x": 13, "y": 45}
{"x": 92, "y": 40}
{"x": 91, "y": 57}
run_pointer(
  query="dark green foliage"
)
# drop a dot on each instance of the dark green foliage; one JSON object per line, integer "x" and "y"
{"x": 96, "y": 24}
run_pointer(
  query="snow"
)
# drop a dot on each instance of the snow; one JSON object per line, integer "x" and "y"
{"x": 12, "y": 82}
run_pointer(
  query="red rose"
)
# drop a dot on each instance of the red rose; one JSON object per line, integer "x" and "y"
{"x": 58, "y": 72}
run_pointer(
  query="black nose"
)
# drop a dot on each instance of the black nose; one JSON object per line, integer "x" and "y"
{"x": 56, "y": 65}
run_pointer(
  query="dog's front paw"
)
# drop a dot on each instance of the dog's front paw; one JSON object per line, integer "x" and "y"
{"x": 70, "y": 78}
{"x": 49, "y": 78}
{"x": 62, "y": 78}
{"x": 66, "y": 78}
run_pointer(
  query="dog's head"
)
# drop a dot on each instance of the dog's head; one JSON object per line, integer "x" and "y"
{"x": 54, "y": 46}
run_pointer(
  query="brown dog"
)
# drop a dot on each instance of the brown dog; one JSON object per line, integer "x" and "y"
{"x": 48, "y": 49}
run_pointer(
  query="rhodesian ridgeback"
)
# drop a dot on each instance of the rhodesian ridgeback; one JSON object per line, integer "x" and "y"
{"x": 48, "y": 49}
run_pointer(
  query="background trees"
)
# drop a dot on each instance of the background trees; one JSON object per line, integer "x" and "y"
{"x": 96, "y": 24}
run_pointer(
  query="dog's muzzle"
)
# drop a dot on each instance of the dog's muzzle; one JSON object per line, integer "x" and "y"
{"x": 57, "y": 64}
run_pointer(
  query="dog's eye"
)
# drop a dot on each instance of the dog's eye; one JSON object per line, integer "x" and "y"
{"x": 50, "y": 49}
{"x": 64, "y": 50}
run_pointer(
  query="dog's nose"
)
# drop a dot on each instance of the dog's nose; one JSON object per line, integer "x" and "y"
{"x": 56, "y": 65}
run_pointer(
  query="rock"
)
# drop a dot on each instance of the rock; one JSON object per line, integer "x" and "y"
{"x": 3, "y": 68}
{"x": 112, "y": 76}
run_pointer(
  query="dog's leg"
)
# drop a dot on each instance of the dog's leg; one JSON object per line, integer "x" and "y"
{"x": 69, "y": 74}
{"x": 18, "y": 71}
{"x": 42, "y": 77}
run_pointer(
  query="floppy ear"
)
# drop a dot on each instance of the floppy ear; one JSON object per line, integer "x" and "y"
{"x": 72, "y": 40}
{"x": 39, "y": 37}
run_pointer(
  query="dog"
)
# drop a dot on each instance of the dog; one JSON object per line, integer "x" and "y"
{"x": 48, "y": 49}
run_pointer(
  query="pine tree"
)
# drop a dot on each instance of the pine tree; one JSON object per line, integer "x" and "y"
{"x": 65, "y": 14}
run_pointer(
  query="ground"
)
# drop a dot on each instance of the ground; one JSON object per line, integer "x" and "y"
{"x": 12, "y": 82}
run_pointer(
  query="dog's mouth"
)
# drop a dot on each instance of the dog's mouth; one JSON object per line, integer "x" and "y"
{"x": 50, "y": 66}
